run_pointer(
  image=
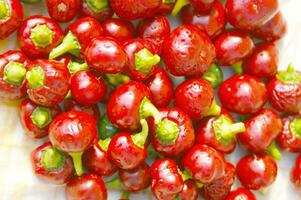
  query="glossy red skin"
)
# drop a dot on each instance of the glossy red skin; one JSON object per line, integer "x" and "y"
{"x": 91, "y": 110}
{"x": 233, "y": 46}
{"x": 189, "y": 191}
{"x": 130, "y": 10}
{"x": 220, "y": 188}
{"x": 188, "y": 51}
{"x": 73, "y": 131}
{"x": 96, "y": 161}
{"x": 286, "y": 139}
{"x": 61, "y": 176}
{"x": 284, "y": 97}
{"x": 63, "y": 10}
{"x": 65, "y": 59}
{"x": 166, "y": 181}
{"x": 87, "y": 186}
{"x": 154, "y": 30}
{"x": 137, "y": 179}
{"x": 161, "y": 88}
{"x": 263, "y": 62}
{"x": 202, "y": 5}
{"x": 204, "y": 163}
{"x": 56, "y": 83}
{"x": 26, "y": 44}
{"x": 10, "y": 92}
{"x": 194, "y": 96}
{"x": 250, "y": 14}
{"x": 106, "y": 55}
{"x": 295, "y": 175}
{"x": 26, "y": 109}
{"x": 243, "y": 94}
{"x": 213, "y": 22}
{"x": 85, "y": 29}
{"x": 13, "y": 22}
{"x": 86, "y": 11}
{"x": 273, "y": 30}
{"x": 261, "y": 130}
{"x": 185, "y": 139}
{"x": 241, "y": 193}
{"x": 256, "y": 171}
{"x": 165, "y": 8}
{"x": 119, "y": 29}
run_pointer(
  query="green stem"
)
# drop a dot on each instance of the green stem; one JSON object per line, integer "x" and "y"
{"x": 213, "y": 110}
{"x": 290, "y": 76}
{"x": 41, "y": 117}
{"x": 35, "y": 77}
{"x": 214, "y": 76}
{"x": 168, "y": 1}
{"x": 199, "y": 185}
{"x": 139, "y": 139}
{"x": 179, "y": 5}
{"x": 147, "y": 109}
{"x": 185, "y": 175}
{"x": 295, "y": 128}
{"x": 68, "y": 95}
{"x": 238, "y": 67}
{"x": 125, "y": 194}
{"x": 70, "y": 45}
{"x": 14, "y": 73}
{"x": 77, "y": 162}
{"x": 274, "y": 151}
{"x": 104, "y": 144}
{"x": 41, "y": 36}
{"x": 75, "y": 67}
{"x": 4, "y": 10}
{"x": 97, "y": 5}
{"x": 52, "y": 159}
{"x": 167, "y": 132}
{"x": 116, "y": 80}
{"x": 114, "y": 184}
{"x": 105, "y": 128}
{"x": 145, "y": 60}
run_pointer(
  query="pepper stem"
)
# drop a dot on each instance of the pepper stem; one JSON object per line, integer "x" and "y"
{"x": 52, "y": 159}
{"x": 97, "y": 5}
{"x": 41, "y": 36}
{"x": 213, "y": 110}
{"x": 295, "y": 127}
{"x": 41, "y": 117}
{"x": 14, "y": 73}
{"x": 35, "y": 77}
{"x": 237, "y": 67}
{"x": 105, "y": 128}
{"x": 74, "y": 67}
{"x": 114, "y": 184}
{"x": 77, "y": 162}
{"x": 70, "y": 45}
{"x": 290, "y": 76}
{"x": 140, "y": 138}
{"x": 147, "y": 109}
{"x": 274, "y": 151}
{"x": 167, "y": 132}
{"x": 145, "y": 60}
{"x": 185, "y": 175}
{"x": 4, "y": 10}
{"x": 168, "y": 1}
{"x": 116, "y": 80}
{"x": 214, "y": 76}
{"x": 179, "y": 5}
{"x": 125, "y": 194}
{"x": 104, "y": 144}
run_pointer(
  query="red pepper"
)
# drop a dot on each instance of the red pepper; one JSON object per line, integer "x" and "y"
{"x": 35, "y": 119}
{"x": 73, "y": 132}
{"x": 296, "y": 173}
{"x": 165, "y": 7}
{"x": 51, "y": 164}
{"x": 119, "y": 29}
{"x": 284, "y": 91}
{"x": 188, "y": 51}
{"x": 13, "y": 68}
{"x": 88, "y": 186}
{"x": 243, "y": 94}
{"x": 257, "y": 171}
{"x": 38, "y": 35}
{"x": 47, "y": 82}
{"x": 189, "y": 191}
{"x": 90, "y": 110}
{"x": 202, "y": 5}
{"x": 98, "y": 9}
{"x": 241, "y": 193}
{"x": 11, "y": 17}
{"x": 63, "y": 10}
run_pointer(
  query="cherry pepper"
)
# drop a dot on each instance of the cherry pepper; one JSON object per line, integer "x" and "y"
{"x": 87, "y": 186}
{"x": 188, "y": 51}
{"x": 73, "y": 132}
{"x": 35, "y": 119}
{"x": 11, "y": 17}
{"x": 38, "y": 35}
{"x": 296, "y": 173}
{"x": 92, "y": 110}
{"x": 13, "y": 68}
{"x": 256, "y": 171}
{"x": 189, "y": 191}
{"x": 51, "y": 164}
{"x": 98, "y": 9}
{"x": 243, "y": 94}
{"x": 119, "y": 29}
{"x": 63, "y": 10}
{"x": 284, "y": 91}
{"x": 196, "y": 98}
{"x": 241, "y": 193}
{"x": 79, "y": 35}
{"x": 47, "y": 82}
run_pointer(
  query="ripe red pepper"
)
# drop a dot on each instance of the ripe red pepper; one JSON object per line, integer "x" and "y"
{"x": 250, "y": 14}
{"x": 243, "y": 94}
{"x": 51, "y": 164}
{"x": 73, "y": 132}
{"x": 284, "y": 91}
{"x": 106, "y": 55}
{"x": 256, "y": 171}
{"x": 11, "y": 17}
{"x": 213, "y": 22}
{"x": 165, "y": 7}
{"x": 88, "y": 186}
{"x": 296, "y": 173}
{"x": 188, "y": 51}
{"x": 98, "y": 9}
{"x": 189, "y": 191}
{"x": 35, "y": 119}
{"x": 119, "y": 29}
{"x": 38, "y": 35}
{"x": 47, "y": 82}
{"x": 166, "y": 180}
{"x": 154, "y": 30}
{"x": 202, "y": 5}
{"x": 90, "y": 110}
{"x": 196, "y": 98}
{"x": 63, "y": 10}
{"x": 241, "y": 193}
{"x": 13, "y": 68}
{"x": 263, "y": 62}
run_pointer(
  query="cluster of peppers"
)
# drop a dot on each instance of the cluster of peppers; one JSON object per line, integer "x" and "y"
{"x": 173, "y": 140}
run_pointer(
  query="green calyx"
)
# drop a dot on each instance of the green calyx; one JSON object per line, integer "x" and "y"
{"x": 14, "y": 73}
{"x": 214, "y": 76}
{"x": 147, "y": 109}
{"x": 68, "y": 95}
{"x": 295, "y": 128}
{"x": 225, "y": 130}
{"x": 70, "y": 45}
{"x": 74, "y": 67}
{"x": 4, "y": 10}
{"x": 77, "y": 162}
{"x": 274, "y": 151}
{"x": 179, "y": 5}
{"x": 114, "y": 184}
{"x": 35, "y": 77}
{"x": 52, "y": 159}
{"x": 237, "y": 67}
{"x": 105, "y": 128}
{"x": 104, "y": 144}
{"x": 290, "y": 76}
{"x": 185, "y": 175}
{"x": 41, "y": 36}
{"x": 41, "y": 117}
{"x": 167, "y": 132}
{"x": 140, "y": 138}
{"x": 168, "y": 1}
{"x": 145, "y": 60}
{"x": 97, "y": 5}
{"x": 116, "y": 80}
{"x": 213, "y": 110}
